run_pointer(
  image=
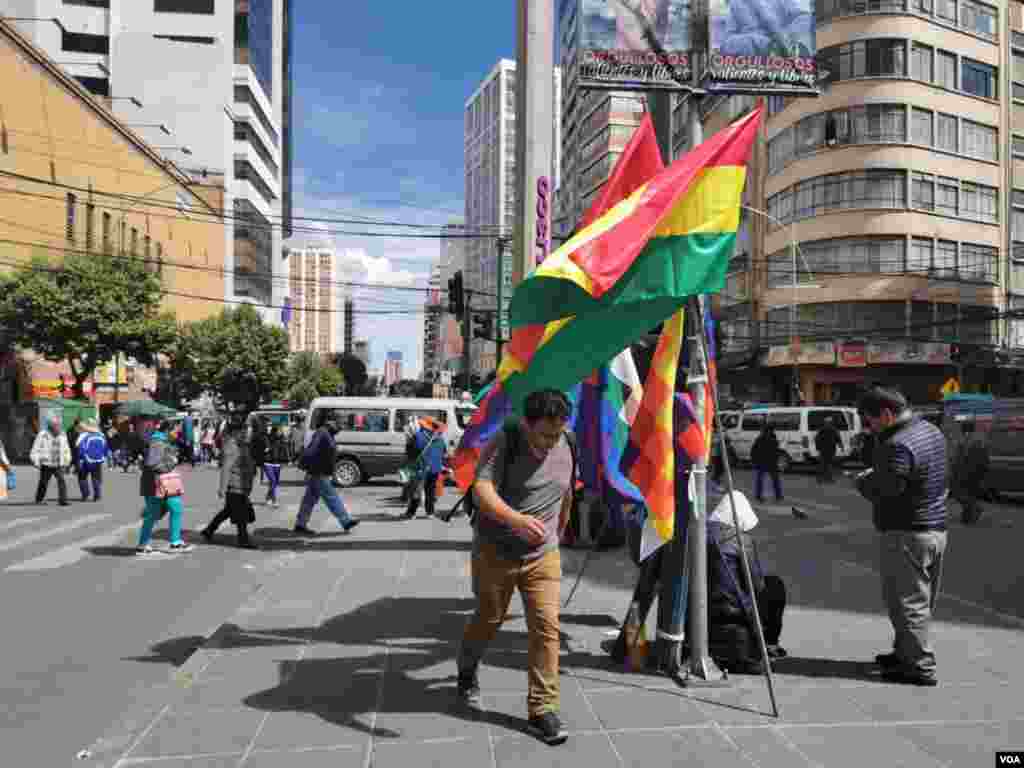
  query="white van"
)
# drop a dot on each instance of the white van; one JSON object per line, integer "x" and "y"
{"x": 796, "y": 427}
{"x": 372, "y": 437}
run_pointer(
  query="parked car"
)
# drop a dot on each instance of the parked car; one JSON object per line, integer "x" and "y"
{"x": 796, "y": 428}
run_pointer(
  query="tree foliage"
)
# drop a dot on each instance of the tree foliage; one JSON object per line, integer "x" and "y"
{"x": 354, "y": 371}
{"x": 234, "y": 356}
{"x": 309, "y": 377}
{"x": 86, "y": 310}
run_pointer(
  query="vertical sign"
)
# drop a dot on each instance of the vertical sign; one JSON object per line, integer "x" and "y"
{"x": 543, "y": 241}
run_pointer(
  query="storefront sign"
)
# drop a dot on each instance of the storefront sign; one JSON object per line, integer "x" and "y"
{"x": 908, "y": 352}
{"x": 543, "y": 211}
{"x": 634, "y": 43}
{"x": 758, "y": 47}
{"x": 852, "y": 354}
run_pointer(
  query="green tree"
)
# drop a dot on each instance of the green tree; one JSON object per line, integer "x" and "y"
{"x": 234, "y": 356}
{"x": 86, "y": 310}
{"x": 309, "y": 377}
{"x": 354, "y": 371}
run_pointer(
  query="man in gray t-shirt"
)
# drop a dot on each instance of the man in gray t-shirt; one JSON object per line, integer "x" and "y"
{"x": 524, "y": 497}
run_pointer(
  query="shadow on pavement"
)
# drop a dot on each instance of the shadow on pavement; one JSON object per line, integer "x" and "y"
{"x": 835, "y": 669}
{"x": 174, "y": 652}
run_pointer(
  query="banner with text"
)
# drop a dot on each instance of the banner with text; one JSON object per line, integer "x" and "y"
{"x": 635, "y": 43}
{"x": 761, "y": 46}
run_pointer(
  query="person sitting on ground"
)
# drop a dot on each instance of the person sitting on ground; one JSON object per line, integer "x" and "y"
{"x": 732, "y": 639}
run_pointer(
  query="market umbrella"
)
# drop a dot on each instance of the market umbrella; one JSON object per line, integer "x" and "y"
{"x": 144, "y": 409}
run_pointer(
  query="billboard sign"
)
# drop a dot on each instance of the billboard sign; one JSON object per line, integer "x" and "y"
{"x": 635, "y": 44}
{"x": 852, "y": 354}
{"x": 761, "y": 46}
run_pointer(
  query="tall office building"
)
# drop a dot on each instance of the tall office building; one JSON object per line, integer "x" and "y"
{"x": 316, "y": 323}
{"x": 490, "y": 192}
{"x": 902, "y": 188}
{"x": 451, "y": 260}
{"x": 433, "y": 314}
{"x": 393, "y": 368}
{"x": 349, "y": 327}
{"x": 208, "y": 83}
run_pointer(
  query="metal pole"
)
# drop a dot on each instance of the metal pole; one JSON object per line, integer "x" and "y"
{"x": 498, "y": 324}
{"x": 117, "y": 376}
{"x": 758, "y": 629}
{"x": 467, "y": 322}
{"x": 792, "y": 325}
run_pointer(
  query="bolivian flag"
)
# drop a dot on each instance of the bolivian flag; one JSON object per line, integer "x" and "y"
{"x": 631, "y": 269}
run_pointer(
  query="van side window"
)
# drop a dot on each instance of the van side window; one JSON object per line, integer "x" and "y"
{"x": 784, "y": 422}
{"x": 816, "y": 420}
{"x": 354, "y": 419}
{"x": 753, "y": 422}
{"x": 403, "y": 415}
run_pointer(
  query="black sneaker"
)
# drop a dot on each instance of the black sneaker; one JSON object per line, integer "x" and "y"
{"x": 351, "y": 525}
{"x": 548, "y": 728}
{"x": 887, "y": 660}
{"x": 303, "y": 530}
{"x": 469, "y": 690}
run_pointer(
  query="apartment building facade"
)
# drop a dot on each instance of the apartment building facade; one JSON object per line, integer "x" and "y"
{"x": 208, "y": 84}
{"x": 317, "y": 301}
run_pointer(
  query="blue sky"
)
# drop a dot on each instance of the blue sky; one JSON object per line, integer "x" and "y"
{"x": 379, "y": 94}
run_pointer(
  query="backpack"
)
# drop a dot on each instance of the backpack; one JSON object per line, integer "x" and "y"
{"x": 94, "y": 448}
{"x": 512, "y": 436}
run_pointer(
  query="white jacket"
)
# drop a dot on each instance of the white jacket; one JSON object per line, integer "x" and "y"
{"x": 50, "y": 450}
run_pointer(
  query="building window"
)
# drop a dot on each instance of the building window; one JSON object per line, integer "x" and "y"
{"x": 1018, "y": 146}
{"x": 979, "y": 202}
{"x": 841, "y": 256}
{"x": 922, "y": 127}
{"x": 945, "y": 70}
{"x": 1017, "y": 91}
{"x": 90, "y": 226}
{"x": 946, "y": 133}
{"x": 97, "y": 86}
{"x": 69, "y": 221}
{"x": 946, "y": 10}
{"x": 978, "y": 79}
{"x": 864, "y": 58}
{"x": 108, "y": 246}
{"x": 979, "y": 18}
{"x": 945, "y": 259}
{"x": 922, "y": 62}
{"x": 924, "y": 192}
{"x": 980, "y": 141}
{"x": 81, "y": 42}
{"x": 947, "y": 196}
{"x": 159, "y": 259}
{"x": 921, "y": 253}
{"x": 184, "y": 6}
{"x": 135, "y": 242}
{"x": 147, "y": 253}
{"x": 978, "y": 263}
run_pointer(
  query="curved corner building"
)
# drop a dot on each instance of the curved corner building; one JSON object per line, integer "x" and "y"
{"x": 900, "y": 187}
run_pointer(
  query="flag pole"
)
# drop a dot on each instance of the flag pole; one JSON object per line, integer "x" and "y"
{"x": 744, "y": 560}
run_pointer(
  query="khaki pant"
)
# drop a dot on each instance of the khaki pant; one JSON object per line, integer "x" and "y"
{"x": 911, "y": 567}
{"x": 539, "y": 583}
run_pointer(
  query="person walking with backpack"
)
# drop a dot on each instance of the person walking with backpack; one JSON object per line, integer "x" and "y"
{"x": 827, "y": 441}
{"x": 431, "y": 452}
{"x": 277, "y": 454}
{"x": 51, "y": 455}
{"x": 318, "y": 461}
{"x": 764, "y": 455}
{"x": 523, "y": 490}
{"x": 159, "y": 459}
{"x": 92, "y": 450}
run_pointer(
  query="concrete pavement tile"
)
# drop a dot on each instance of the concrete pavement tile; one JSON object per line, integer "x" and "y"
{"x": 306, "y": 691}
{"x": 575, "y": 712}
{"x": 678, "y": 747}
{"x": 325, "y": 728}
{"x": 213, "y": 761}
{"x": 441, "y": 754}
{"x": 342, "y": 757}
{"x": 623, "y": 709}
{"x": 209, "y": 732}
{"x": 957, "y": 744}
{"x": 894, "y": 703}
{"x": 411, "y": 713}
{"x": 743, "y": 706}
{"x": 767, "y": 747}
{"x": 856, "y": 746}
{"x": 590, "y": 750}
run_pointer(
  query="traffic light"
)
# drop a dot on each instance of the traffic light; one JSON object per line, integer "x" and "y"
{"x": 456, "y": 296}
{"x": 483, "y": 326}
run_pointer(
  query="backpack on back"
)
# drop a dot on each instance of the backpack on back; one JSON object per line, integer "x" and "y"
{"x": 94, "y": 448}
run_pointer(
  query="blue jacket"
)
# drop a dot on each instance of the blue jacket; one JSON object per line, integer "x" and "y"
{"x": 433, "y": 459}
{"x": 320, "y": 455}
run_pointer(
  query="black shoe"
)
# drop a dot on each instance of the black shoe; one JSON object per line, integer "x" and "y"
{"x": 408, "y": 515}
{"x": 469, "y": 690}
{"x": 303, "y": 530}
{"x": 64, "y": 504}
{"x": 246, "y": 544}
{"x": 548, "y": 728}
{"x": 207, "y": 535}
{"x": 908, "y": 677}
{"x": 351, "y": 525}
{"x": 887, "y": 660}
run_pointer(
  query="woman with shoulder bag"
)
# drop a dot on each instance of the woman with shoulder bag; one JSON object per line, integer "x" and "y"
{"x": 236, "y": 475}
{"x": 162, "y": 489}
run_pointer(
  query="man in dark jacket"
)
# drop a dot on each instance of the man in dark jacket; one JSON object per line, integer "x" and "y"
{"x": 907, "y": 488}
{"x": 431, "y": 452}
{"x": 318, "y": 460}
{"x": 827, "y": 441}
{"x": 764, "y": 455}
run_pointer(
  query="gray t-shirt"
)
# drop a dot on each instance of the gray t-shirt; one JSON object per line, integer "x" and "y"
{"x": 532, "y": 487}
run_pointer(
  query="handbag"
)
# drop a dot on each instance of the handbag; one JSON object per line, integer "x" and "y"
{"x": 169, "y": 485}
{"x": 412, "y": 470}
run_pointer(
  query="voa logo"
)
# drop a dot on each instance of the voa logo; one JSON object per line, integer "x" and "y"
{"x": 1009, "y": 758}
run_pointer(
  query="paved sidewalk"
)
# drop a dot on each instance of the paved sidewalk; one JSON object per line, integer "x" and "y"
{"x": 345, "y": 658}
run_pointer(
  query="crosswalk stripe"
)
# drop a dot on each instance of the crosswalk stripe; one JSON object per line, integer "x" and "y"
{"x": 72, "y": 553}
{"x": 71, "y": 525}
{"x": 18, "y": 521}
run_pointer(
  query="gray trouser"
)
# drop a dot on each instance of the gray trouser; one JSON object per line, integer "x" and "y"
{"x": 911, "y": 572}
